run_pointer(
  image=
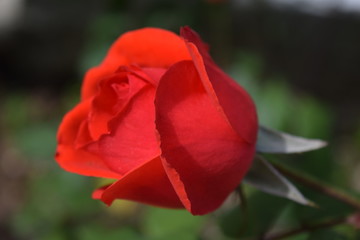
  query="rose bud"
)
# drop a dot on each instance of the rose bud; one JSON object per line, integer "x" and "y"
{"x": 160, "y": 117}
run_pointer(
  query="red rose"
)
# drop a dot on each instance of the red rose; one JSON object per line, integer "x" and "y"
{"x": 164, "y": 120}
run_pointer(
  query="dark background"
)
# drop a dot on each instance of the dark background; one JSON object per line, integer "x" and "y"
{"x": 301, "y": 65}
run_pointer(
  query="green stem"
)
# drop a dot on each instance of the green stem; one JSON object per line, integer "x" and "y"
{"x": 319, "y": 186}
{"x": 306, "y": 228}
{"x": 324, "y": 189}
{"x": 243, "y": 208}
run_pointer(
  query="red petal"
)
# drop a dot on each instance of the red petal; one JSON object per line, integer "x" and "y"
{"x": 69, "y": 127}
{"x": 147, "y": 184}
{"x": 154, "y": 74}
{"x": 234, "y": 100}
{"x": 83, "y": 162}
{"x": 147, "y": 47}
{"x": 113, "y": 96}
{"x": 115, "y": 93}
{"x": 94, "y": 76}
{"x": 77, "y": 160}
{"x": 203, "y": 156}
{"x": 132, "y": 141}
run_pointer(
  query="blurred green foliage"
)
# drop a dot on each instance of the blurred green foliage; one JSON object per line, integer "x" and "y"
{"x": 57, "y": 204}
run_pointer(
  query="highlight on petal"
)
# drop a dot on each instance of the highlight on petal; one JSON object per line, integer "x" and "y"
{"x": 147, "y": 184}
{"x": 137, "y": 48}
{"x": 233, "y": 99}
{"x": 203, "y": 156}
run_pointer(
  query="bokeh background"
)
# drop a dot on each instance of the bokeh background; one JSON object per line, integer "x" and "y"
{"x": 300, "y": 60}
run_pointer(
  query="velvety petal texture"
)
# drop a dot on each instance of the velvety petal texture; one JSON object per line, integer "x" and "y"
{"x": 147, "y": 184}
{"x": 234, "y": 100}
{"x": 163, "y": 120}
{"x": 77, "y": 160}
{"x": 203, "y": 156}
{"x": 147, "y": 47}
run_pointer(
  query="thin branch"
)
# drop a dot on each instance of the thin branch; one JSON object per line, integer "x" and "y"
{"x": 318, "y": 186}
{"x": 324, "y": 189}
{"x": 243, "y": 208}
{"x": 306, "y": 228}
{"x": 241, "y": 193}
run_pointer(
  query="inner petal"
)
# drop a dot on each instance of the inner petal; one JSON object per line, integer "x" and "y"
{"x": 132, "y": 140}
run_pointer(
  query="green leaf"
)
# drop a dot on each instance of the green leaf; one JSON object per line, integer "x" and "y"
{"x": 271, "y": 141}
{"x": 265, "y": 177}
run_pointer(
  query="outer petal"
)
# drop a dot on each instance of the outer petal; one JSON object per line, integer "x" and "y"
{"x": 147, "y": 184}
{"x": 203, "y": 156}
{"x": 69, "y": 127}
{"x": 82, "y": 162}
{"x": 76, "y": 159}
{"x": 147, "y": 47}
{"x": 234, "y": 100}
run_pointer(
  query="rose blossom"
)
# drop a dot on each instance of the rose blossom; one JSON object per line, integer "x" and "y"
{"x": 160, "y": 117}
